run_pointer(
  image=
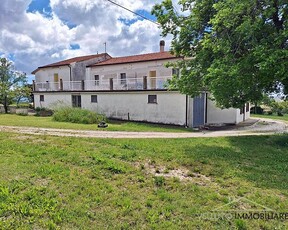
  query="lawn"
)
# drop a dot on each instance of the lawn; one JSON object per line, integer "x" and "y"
{"x": 275, "y": 117}
{"x": 47, "y": 122}
{"x": 51, "y": 182}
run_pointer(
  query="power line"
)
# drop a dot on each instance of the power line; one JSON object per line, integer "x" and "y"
{"x": 133, "y": 12}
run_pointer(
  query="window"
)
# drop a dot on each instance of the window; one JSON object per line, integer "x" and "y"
{"x": 96, "y": 78}
{"x": 123, "y": 78}
{"x": 175, "y": 72}
{"x": 152, "y": 99}
{"x": 94, "y": 99}
{"x": 56, "y": 77}
{"x": 76, "y": 101}
{"x": 41, "y": 97}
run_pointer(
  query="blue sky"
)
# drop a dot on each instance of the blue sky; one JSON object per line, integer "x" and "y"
{"x": 39, "y": 32}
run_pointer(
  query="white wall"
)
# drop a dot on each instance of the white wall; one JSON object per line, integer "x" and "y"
{"x": 217, "y": 115}
{"x": 51, "y": 99}
{"x": 132, "y": 70}
{"x": 47, "y": 74}
{"x": 170, "y": 107}
{"x": 241, "y": 117}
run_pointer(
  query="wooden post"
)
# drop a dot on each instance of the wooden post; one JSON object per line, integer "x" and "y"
{"x": 61, "y": 85}
{"x": 145, "y": 82}
{"x": 82, "y": 85}
{"x": 33, "y": 85}
{"x": 111, "y": 83}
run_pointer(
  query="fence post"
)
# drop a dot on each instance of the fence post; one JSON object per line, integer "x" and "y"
{"x": 145, "y": 82}
{"x": 33, "y": 85}
{"x": 47, "y": 85}
{"x": 61, "y": 85}
{"x": 82, "y": 85}
{"x": 111, "y": 83}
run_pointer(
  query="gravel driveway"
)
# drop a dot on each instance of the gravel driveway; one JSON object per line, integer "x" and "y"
{"x": 248, "y": 128}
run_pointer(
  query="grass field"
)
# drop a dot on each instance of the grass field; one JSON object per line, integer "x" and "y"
{"x": 76, "y": 183}
{"x": 275, "y": 117}
{"x": 47, "y": 122}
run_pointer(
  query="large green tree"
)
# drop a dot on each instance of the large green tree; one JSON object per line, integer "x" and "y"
{"x": 12, "y": 84}
{"x": 237, "y": 50}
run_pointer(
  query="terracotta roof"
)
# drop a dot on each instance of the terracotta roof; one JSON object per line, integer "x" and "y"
{"x": 71, "y": 60}
{"x": 137, "y": 58}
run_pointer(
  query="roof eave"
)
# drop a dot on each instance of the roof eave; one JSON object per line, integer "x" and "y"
{"x": 157, "y": 59}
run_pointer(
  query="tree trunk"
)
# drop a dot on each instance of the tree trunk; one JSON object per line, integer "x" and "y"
{"x": 5, "y": 104}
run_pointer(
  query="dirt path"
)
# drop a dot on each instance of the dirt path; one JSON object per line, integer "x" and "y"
{"x": 261, "y": 127}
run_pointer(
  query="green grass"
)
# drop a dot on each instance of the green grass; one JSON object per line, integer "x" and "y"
{"x": 47, "y": 122}
{"x": 275, "y": 117}
{"x": 51, "y": 182}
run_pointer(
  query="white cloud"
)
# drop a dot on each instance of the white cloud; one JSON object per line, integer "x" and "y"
{"x": 35, "y": 40}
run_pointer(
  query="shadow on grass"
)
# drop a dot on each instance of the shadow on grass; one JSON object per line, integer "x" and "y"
{"x": 262, "y": 160}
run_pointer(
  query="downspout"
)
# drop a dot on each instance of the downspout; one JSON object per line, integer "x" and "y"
{"x": 186, "y": 115}
{"x": 70, "y": 72}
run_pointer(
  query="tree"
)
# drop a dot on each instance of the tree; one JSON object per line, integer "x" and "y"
{"x": 237, "y": 50}
{"x": 12, "y": 83}
{"x": 22, "y": 92}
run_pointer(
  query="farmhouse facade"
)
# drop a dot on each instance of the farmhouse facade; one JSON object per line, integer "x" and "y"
{"x": 127, "y": 88}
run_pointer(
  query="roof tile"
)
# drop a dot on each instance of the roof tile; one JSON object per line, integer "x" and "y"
{"x": 71, "y": 60}
{"x": 137, "y": 58}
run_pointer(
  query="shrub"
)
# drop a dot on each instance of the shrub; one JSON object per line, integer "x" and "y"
{"x": 77, "y": 115}
{"x": 256, "y": 110}
{"x": 43, "y": 112}
{"x": 159, "y": 181}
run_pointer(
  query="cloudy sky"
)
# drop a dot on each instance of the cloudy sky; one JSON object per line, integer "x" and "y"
{"x": 39, "y": 32}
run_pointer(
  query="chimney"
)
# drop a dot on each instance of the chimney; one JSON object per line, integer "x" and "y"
{"x": 162, "y": 45}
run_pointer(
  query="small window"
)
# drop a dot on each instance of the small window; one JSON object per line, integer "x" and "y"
{"x": 76, "y": 101}
{"x": 41, "y": 97}
{"x": 152, "y": 99}
{"x": 96, "y": 78}
{"x": 94, "y": 99}
{"x": 123, "y": 78}
{"x": 175, "y": 72}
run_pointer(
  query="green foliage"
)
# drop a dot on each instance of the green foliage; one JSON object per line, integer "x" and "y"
{"x": 77, "y": 115}
{"x": 234, "y": 49}
{"x": 159, "y": 181}
{"x": 12, "y": 84}
{"x": 256, "y": 110}
{"x": 279, "y": 107}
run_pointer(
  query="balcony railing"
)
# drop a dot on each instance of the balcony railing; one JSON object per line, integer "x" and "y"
{"x": 145, "y": 83}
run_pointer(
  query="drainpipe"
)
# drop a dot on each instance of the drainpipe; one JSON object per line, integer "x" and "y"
{"x": 186, "y": 114}
{"x": 70, "y": 72}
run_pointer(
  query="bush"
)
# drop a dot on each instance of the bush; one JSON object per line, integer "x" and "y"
{"x": 280, "y": 114}
{"x": 77, "y": 115}
{"x": 43, "y": 112}
{"x": 256, "y": 110}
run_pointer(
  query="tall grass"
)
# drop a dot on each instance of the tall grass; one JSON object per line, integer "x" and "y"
{"x": 77, "y": 115}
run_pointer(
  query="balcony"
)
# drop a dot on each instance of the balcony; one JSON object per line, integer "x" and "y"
{"x": 145, "y": 83}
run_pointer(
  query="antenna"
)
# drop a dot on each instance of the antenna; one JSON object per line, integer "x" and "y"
{"x": 105, "y": 44}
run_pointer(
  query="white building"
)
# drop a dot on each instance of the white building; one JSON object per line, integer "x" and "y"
{"x": 127, "y": 88}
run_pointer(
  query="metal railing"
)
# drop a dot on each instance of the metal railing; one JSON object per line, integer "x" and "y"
{"x": 144, "y": 83}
